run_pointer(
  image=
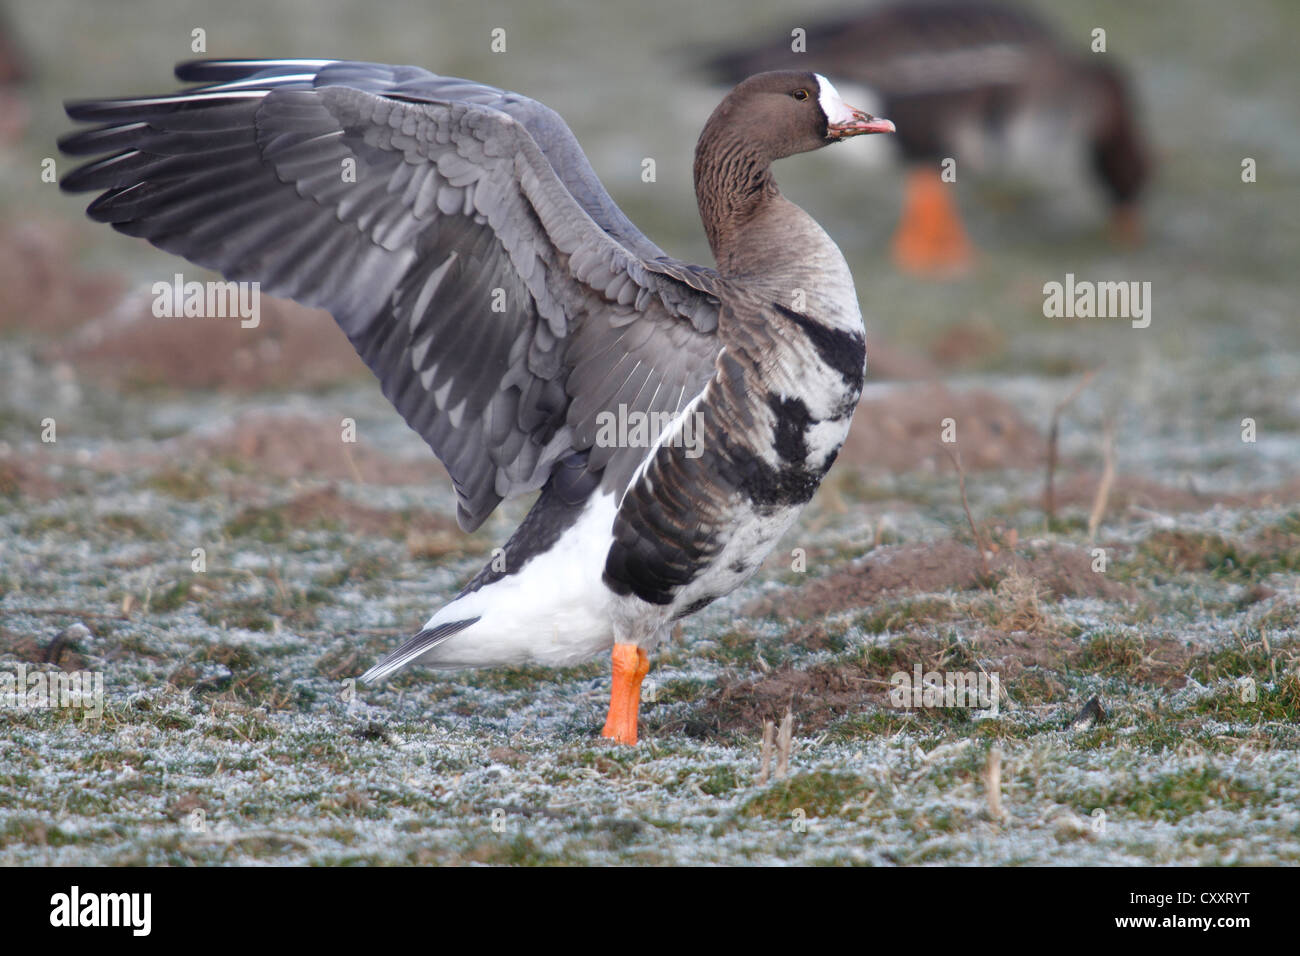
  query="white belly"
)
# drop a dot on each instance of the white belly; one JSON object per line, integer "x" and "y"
{"x": 555, "y": 611}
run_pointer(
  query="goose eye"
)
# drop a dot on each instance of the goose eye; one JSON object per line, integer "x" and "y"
{"x": 800, "y": 94}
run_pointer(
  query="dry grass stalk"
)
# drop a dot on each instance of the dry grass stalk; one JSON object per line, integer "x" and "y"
{"x": 1049, "y": 491}
{"x": 765, "y": 766}
{"x": 352, "y": 464}
{"x": 961, "y": 483}
{"x": 784, "y": 742}
{"x": 1019, "y": 605}
{"x": 993, "y": 784}
{"x": 1103, "y": 487}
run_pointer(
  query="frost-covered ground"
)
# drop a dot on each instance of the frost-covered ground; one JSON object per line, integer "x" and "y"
{"x": 231, "y": 731}
{"x": 227, "y": 706}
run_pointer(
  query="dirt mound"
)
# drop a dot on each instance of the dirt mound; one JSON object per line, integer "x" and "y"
{"x": 61, "y": 650}
{"x": 297, "y": 447}
{"x": 968, "y": 343}
{"x": 18, "y": 479}
{"x": 1132, "y": 493}
{"x": 292, "y": 346}
{"x": 43, "y": 295}
{"x": 326, "y": 507}
{"x": 887, "y": 361}
{"x": 817, "y": 696}
{"x": 942, "y": 566}
{"x": 256, "y": 446}
{"x": 824, "y": 693}
{"x": 898, "y": 429}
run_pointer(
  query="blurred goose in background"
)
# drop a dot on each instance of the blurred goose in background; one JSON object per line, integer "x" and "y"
{"x": 463, "y": 243}
{"x": 14, "y": 112}
{"x": 980, "y": 82}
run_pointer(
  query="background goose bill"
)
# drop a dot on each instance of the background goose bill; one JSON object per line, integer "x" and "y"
{"x": 857, "y": 125}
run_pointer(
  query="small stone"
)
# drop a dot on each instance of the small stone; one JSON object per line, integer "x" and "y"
{"x": 1092, "y": 715}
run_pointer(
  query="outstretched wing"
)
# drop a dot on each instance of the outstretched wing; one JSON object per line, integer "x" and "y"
{"x": 456, "y": 232}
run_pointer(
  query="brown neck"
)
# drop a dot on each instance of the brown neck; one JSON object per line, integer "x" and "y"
{"x": 733, "y": 182}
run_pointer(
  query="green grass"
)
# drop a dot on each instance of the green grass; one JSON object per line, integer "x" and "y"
{"x": 1170, "y": 796}
{"x": 818, "y": 794}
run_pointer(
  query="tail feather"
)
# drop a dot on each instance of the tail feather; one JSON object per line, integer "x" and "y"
{"x": 426, "y": 640}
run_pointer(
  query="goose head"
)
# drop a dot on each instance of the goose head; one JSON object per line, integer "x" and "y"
{"x": 787, "y": 112}
{"x": 767, "y": 117}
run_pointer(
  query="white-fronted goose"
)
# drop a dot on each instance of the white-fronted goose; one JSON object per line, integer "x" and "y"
{"x": 968, "y": 80}
{"x": 465, "y": 197}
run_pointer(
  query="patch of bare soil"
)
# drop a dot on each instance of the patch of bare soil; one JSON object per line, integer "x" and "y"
{"x": 291, "y": 347}
{"x": 942, "y": 566}
{"x": 257, "y": 445}
{"x": 900, "y": 431}
{"x": 61, "y": 650}
{"x": 886, "y": 361}
{"x": 43, "y": 295}
{"x": 825, "y": 693}
{"x": 817, "y": 695}
{"x": 1132, "y": 493}
{"x": 326, "y": 506}
{"x": 18, "y": 479}
{"x": 300, "y": 447}
{"x": 967, "y": 343}
{"x": 265, "y": 445}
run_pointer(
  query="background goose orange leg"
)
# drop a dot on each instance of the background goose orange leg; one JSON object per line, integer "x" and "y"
{"x": 930, "y": 237}
{"x": 1126, "y": 225}
{"x": 631, "y": 664}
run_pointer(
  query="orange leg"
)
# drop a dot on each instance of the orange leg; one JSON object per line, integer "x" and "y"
{"x": 930, "y": 239}
{"x": 631, "y": 664}
{"x": 1126, "y": 225}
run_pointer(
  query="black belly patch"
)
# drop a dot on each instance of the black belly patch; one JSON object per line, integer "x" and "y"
{"x": 845, "y": 352}
{"x": 765, "y": 485}
{"x": 789, "y": 434}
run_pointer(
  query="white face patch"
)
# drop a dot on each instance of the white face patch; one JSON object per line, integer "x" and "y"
{"x": 836, "y": 110}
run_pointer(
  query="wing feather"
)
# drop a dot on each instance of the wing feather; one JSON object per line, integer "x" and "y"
{"x": 456, "y": 233}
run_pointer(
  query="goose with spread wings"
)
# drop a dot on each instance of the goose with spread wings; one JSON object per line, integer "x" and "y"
{"x": 511, "y": 312}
